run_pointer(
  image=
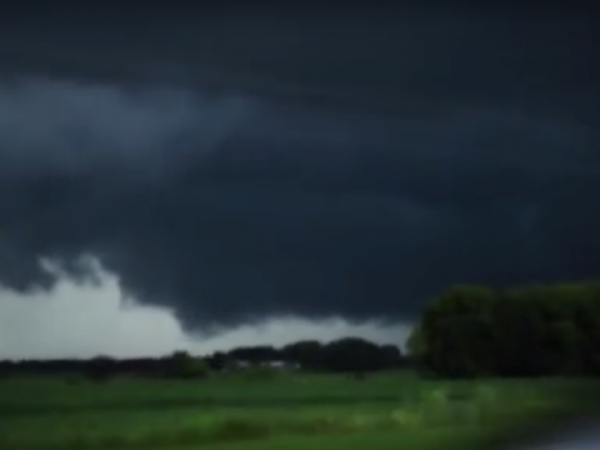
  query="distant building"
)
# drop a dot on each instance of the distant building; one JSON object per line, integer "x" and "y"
{"x": 289, "y": 365}
{"x": 278, "y": 364}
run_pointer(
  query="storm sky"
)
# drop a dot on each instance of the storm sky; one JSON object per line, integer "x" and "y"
{"x": 233, "y": 165}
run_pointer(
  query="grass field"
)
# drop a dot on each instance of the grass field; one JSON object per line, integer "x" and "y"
{"x": 387, "y": 411}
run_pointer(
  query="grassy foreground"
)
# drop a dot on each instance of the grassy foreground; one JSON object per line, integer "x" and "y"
{"x": 387, "y": 411}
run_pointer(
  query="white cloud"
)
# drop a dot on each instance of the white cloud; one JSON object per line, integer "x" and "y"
{"x": 88, "y": 319}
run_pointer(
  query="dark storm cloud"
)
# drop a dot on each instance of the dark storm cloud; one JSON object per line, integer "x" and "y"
{"x": 237, "y": 166}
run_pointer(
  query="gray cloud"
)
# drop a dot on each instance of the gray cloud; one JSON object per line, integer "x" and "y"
{"x": 354, "y": 170}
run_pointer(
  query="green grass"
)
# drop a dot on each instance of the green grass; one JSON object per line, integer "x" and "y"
{"x": 304, "y": 411}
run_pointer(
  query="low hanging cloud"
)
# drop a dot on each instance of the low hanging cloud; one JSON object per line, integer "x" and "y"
{"x": 79, "y": 319}
{"x": 288, "y": 193}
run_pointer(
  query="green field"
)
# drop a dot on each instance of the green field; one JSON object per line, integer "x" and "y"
{"x": 387, "y": 411}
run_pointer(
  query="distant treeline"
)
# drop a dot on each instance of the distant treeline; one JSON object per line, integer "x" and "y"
{"x": 530, "y": 331}
{"x": 349, "y": 354}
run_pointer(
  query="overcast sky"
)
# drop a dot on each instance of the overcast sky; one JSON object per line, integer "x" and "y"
{"x": 226, "y": 168}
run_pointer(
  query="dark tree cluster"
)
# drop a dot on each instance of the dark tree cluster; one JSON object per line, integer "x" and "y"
{"x": 350, "y": 354}
{"x": 537, "y": 330}
{"x": 102, "y": 368}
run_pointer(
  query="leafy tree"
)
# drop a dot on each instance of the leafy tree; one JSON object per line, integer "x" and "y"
{"x": 100, "y": 368}
{"x": 533, "y": 330}
{"x": 182, "y": 365}
{"x": 353, "y": 354}
{"x": 309, "y": 353}
{"x": 456, "y": 333}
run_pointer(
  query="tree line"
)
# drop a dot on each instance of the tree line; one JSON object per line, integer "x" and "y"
{"x": 350, "y": 354}
{"x": 528, "y": 331}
